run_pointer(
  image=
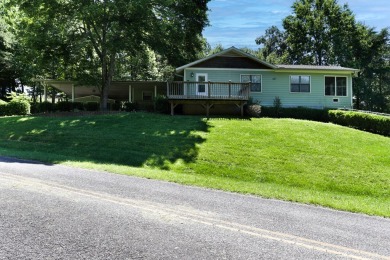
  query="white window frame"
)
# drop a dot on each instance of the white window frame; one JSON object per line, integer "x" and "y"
{"x": 300, "y": 92}
{"x": 206, "y": 92}
{"x": 335, "y": 85}
{"x": 250, "y": 75}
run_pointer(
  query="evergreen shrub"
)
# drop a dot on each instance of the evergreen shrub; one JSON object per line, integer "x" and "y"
{"x": 363, "y": 121}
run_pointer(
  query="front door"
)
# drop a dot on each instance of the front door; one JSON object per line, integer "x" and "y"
{"x": 201, "y": 85}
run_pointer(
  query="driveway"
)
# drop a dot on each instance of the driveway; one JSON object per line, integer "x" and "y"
{"x": 57, "y": 212}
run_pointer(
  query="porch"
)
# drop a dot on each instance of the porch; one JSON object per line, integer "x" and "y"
{"x": 208, "y": 94}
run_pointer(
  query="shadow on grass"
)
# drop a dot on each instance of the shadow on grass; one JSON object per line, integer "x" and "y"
{"x": 133, "y": 139}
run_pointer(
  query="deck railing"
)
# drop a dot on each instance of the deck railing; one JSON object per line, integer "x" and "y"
{"x": 208, "y": 90}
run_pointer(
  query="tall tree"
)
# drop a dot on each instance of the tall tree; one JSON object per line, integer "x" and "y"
{"x": 318, "y": 31}
{"x": 274, "y": 46}
{"x": 7, "y": 75}
{"x": 371, "y": 52}
{"x": 99, "y": 32}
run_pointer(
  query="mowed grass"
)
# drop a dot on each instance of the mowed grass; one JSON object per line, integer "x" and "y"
{"x": 294, "y": 160}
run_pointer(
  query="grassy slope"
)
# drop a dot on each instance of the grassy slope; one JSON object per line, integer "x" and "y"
{"x": 294, "y": 160}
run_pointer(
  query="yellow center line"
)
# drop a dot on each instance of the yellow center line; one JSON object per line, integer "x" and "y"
{"x": 205, "y": 219}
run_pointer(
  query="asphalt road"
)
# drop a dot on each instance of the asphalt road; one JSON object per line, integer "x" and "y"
{"x": 57, "y": 212}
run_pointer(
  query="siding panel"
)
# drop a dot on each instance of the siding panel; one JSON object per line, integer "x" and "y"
{"x": 278, "y": 84}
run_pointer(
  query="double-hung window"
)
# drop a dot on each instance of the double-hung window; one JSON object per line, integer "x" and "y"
{"x": 299, "y": 83}
{"x": 335, "y": 86}
{"x": 255, "y": 82}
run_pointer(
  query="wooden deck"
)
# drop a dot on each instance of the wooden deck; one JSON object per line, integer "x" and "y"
{"x": 208, "y": 94}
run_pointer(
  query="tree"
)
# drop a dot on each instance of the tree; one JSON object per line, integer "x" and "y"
{"x": 99, "y": 32}
{"x": 318, "y": 31}
{"x": 7, "y": 81}
{"x": 274, "y": 46}
{"x": 371, "y": 56}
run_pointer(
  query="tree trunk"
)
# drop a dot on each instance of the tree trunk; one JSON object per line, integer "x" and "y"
{"x": 107, "y": 75}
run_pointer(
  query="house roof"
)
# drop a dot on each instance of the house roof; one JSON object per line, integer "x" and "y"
{"x": 234, "y": 52}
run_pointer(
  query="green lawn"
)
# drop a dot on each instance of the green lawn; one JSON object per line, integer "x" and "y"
{"x": 294, "y": 160}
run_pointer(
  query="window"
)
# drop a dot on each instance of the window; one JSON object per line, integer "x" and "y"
{"x": 335, "y": 86}
{"x": 255, "y": 80}
{"x": 300, "y": 83}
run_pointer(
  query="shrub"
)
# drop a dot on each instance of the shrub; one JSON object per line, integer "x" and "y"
{"x": 77, "y": 106}
{"x": 45, "y": 107}
{"x": 253, "y": 110}
{"x": 18, "y": 107}
{"x": 363, "y": 121}
{"x": 277, "y": 105}
{"x": 116, "y": 106}
{"x": 161, "y": 104}
{"x": 129, "y": 106}
{"x": 65, "y": 106}
{"x": 3, "y": 108}
{"x": 304, "y": 113}
{"x": 92, "y": 106}
{"x": 320, "y": 115}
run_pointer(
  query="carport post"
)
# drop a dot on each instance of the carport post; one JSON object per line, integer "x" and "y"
{"x": 130, "y": 93}
{"x": 73, "y": 93}
{"x": 45, "y": 92}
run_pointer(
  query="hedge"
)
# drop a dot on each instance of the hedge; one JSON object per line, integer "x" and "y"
{"x": 363, "y": 121}
{"x": 3, "y": 108}
{"x": 305, "y": 113}
{"x": 14, "y": 108}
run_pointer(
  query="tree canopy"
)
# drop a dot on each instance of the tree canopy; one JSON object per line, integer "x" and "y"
{"x": 87, "y": 40}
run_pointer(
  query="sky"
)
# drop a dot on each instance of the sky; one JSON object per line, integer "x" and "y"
{"x": 239, "y": 22}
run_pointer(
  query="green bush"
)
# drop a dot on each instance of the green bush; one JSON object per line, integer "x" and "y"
{"x": 64, "y": 106}
{"x": 363, "y": 121}
{"x": 116, "y": 106}
{"x": 304, "y": 113}
{"x": 78, "y": 106}
{"x": 45, "y": 107}
{"x": 129, "y": 106}
{"x": 18, "y": 107}
{"x": 161, "y": 104}
{"x": 92, "y": 106}
{"x": 3, "y": 108}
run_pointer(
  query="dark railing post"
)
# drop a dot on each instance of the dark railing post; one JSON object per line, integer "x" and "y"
{"x": 208, "y": 89}
{"x": 230, "y": 88}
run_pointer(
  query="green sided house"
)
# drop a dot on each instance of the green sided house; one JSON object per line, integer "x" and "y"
{"x": 227, "y": 80}
{"x": 224, "y": 82}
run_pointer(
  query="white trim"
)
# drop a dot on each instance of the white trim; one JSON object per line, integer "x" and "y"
{"x": 299, "y": 92}
{"x": 261, "y": 82}
{"x": 319, "y": 71}
{"x": 335, "y": 86}
{"x": 206, "y": 91}
{"x": 351, "y": 91}
{"x": 225, "y": 69}
{"x": 313, "y": 71}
